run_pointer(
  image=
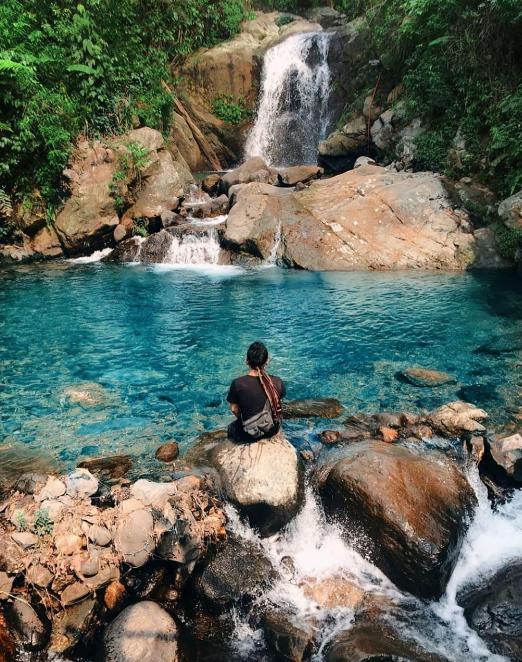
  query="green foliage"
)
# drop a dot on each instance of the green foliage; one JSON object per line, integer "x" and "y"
{"x": 140, "y": 227}
{"x": 284, "y": 19}
{"x": 43, "y": 525}
{"x": 91, "y": 67}
{"x": 132, "y": 159}
{"x": 20, "y": 520}
{"x": 509, "y": 241}
{"x": 461, "y": 64}
{"x": 230, "y": 111}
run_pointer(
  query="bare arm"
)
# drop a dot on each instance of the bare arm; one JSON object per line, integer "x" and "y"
{"x": 234, "y": 408}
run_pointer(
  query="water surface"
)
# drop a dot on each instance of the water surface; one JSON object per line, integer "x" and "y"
{"x": 164, "y": 344}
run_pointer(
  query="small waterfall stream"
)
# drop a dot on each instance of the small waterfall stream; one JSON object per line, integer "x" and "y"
{"x": 319, "y": 552}
{"x": 194, "y": 249}
{"x": 293, "y": 111}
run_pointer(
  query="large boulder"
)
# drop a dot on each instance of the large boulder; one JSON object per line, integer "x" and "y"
{"x": 237, "y": 574}
{"x": 253, "y": 170}
{"x": 263, "y": 479}
{"x": 143, "y": 632}
{"x": 510, "y": 211}
{"x": 368, "y": 218}
{"x": 411, "y": 509}
{"x": 493, "y": 607}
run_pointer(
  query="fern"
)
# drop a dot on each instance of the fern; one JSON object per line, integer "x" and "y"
{"x": 6, "y": 207}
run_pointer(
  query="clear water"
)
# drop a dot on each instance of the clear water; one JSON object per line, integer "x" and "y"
{"x": 164, "y": 344}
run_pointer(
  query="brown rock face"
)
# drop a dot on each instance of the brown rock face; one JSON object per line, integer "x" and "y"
{"x": 412, "y": 508}
{"x": 507, "y": 453}
{"x": 368, "y": 218}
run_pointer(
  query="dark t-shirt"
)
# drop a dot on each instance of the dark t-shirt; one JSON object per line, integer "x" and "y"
{"x": 248, "y": 393}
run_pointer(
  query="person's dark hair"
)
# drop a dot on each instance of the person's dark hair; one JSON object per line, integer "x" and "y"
{"x": 257, "y": 355}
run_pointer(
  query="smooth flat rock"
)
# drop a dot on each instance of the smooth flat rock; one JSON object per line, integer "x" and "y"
{"x": 81, "y": 483}
{"x": 24, "y": 539}
{"x": 425, "y": 377}
{"x": 134, "y": 536}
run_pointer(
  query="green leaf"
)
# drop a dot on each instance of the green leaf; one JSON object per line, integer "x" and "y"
{"x": 440, "y": 40}
{"x": 82, "y": 69}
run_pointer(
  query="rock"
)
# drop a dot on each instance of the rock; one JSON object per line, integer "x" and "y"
{"x": 182, "y": 543}
{"x": 333, "y": 592}
{"x": 89, "y": 565}
{"x": 289, "y": 637}
{"x": 155, "y": 248}
{"x": 370, "y": 109}
{"x": 143, "y": 632}
{"x": 269, "y": 498}
{"x": 46, "y": 244}
{"x": 99, "y": 535}
{"x": 153, "y": 494}
{"x": 426, "y": 377}
{"x": 54, "y": 508}
{"x": 6, "y": 585}
{"x": 88, "y": 394}
{"x": 81, "y": 483}
{"x": 39, "y": 575}
{"x": 389, "y": 435}
{"x": 12, "y": 557}
{"x": 211, "y": 184}
{"x": 238, "y": 573}
{"x": 377, "y": 638}
{"x": 219, "y": 205}
{"x": 89, "y": 216}
{"x": 111, "y": 466}
{"x": 456, "y": 418}
{"x": 78, "y": 591}
{"x": 510, "y": 211}
{"x": 253, "y": 170}
{"x": 24, "y": 539}
{"x": 134, "y": 536}
{"x": 415, "y": 520}
{"x": 32, "y": 632}
{"x": 127, "y": 250}
{"x": 350, "y": 141}
{"x": 68, "y": 544}
{"x": 493, "y": 607}
{"x": 363, "y": 161}
{"x": 507, "y": 453}
{"x": 72, "y": 625}
{"x": 312, "y": 408}
{"x": 30, "y": 483}
{"x": 53, "y": 489}
{"x": 120, "y": 232}
{"x": 167, "y": 452}
{"x": 298, "y": 174}
{"x": 114, "y": 596}
{"x": 502, "y": 344}
{"x": 368, "y": 218}
{"x": 486, "y": 250}
{"x": 7, "y": 644}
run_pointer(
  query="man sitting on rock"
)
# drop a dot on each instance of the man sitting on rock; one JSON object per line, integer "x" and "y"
{"x": 255, "y": 399}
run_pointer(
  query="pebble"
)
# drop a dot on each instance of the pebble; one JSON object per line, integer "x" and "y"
{"x": 167, "y": 452}
{"x": 24, "y": 539}
{"x": 53, "y": 489}
{"x": 39, "y": 575}
{"x": 81, "y": 483}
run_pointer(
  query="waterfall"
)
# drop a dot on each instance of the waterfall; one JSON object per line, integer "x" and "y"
{"x": 293, "y": 111}
{"x": 193, "y": 249}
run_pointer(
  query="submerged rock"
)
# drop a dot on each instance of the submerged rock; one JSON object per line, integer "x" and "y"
{"x": 412, "y": 509}
{"x": 111, "y": 466}
{"x": 263, "y": 479}
{"x": 493, "y": 608}
{"x": 426, "y": 377}
{"x": 502, "y": 344}
{"x": 312, "y": 408}
{"x": 238, "y": 573}
{"x": 143, "y": 632}
{"x": 288, "y": 636}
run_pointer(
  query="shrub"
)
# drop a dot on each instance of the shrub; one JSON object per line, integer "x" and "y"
{"x": 230, "y": 111}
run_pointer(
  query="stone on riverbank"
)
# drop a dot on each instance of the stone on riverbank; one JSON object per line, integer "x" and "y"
{"x": 167, "y": 452}
{"x": 412, "y": 509}
{"x": 263, "y": 479}
{"x": 143, "y": 632}
{"x": 507, "y": 453}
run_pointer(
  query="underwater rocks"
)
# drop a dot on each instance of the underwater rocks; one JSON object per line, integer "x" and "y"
{"x": 493, "y": 607}
{"x": 312, "y": 408}
{"x": 143, "y": 632}
{"x": 425, "y": 377}
{"x": 412, "y": 510}
{"x": 263, "y": 479}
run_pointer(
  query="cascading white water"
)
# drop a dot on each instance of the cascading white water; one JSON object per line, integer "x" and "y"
{"x": 319, "y": 551}
{"x": 293, "y": 111}
{"x": 194, "y": 249}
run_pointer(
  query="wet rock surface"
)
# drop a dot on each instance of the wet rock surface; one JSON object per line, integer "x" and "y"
{"x": 493, "y": 608}
{"x": 412, "y": 509}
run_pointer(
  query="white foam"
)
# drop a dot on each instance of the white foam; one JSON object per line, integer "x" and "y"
{"x": 94, "y": 257}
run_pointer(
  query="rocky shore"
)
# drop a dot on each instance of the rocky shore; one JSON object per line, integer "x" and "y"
{"x": 92, "y": 567}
